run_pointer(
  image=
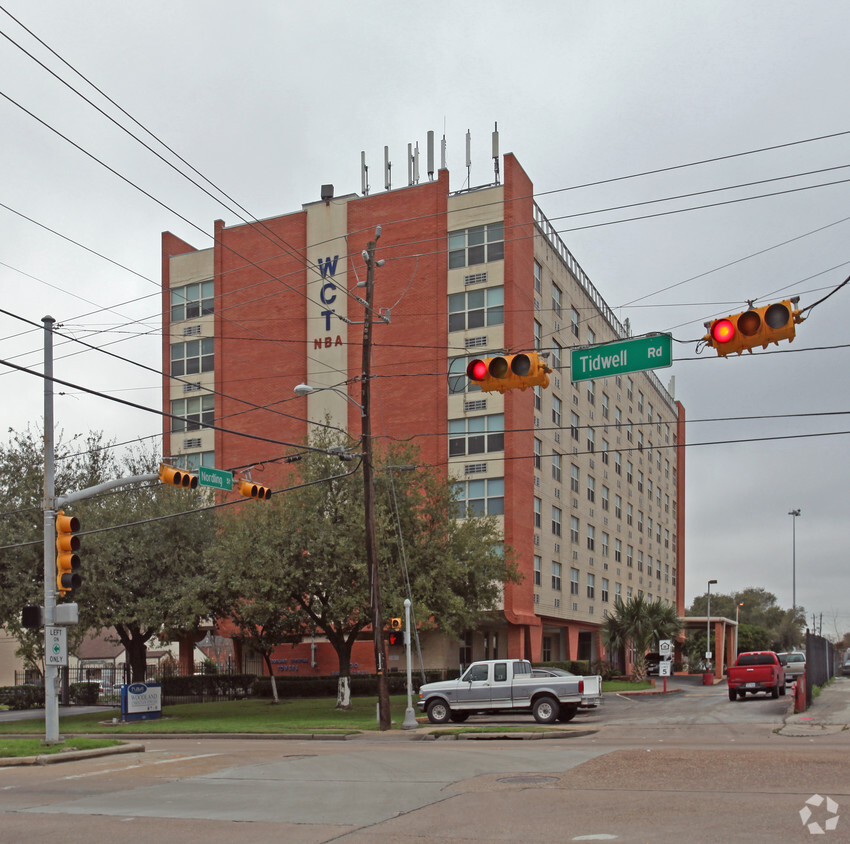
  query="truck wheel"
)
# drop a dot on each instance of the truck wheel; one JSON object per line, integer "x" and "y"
{"x": 774, "y": 692}
{"x": 438, "y": 712}
{"x": 782, "y": 691}
{"x": 567, "y": 712}
{"x": 732, "y": 694}
{"x": 545, "y": 709}
{"x": 459, "y": 717}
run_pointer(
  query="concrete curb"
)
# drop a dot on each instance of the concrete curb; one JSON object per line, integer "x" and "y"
{"x": 69, "y": 755}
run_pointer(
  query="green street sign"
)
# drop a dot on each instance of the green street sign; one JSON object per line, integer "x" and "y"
{"x": 218, "y": 478}
{"x": 652, "y": 352}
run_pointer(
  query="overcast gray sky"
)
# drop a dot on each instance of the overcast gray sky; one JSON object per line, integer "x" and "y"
{"x": 271, "y": 100}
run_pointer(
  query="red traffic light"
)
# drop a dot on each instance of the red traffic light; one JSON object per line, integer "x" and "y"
{"x": 477, "y": 370}
{"x": 722, "y": 331}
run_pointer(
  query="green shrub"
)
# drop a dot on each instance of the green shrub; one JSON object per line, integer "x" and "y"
{"x": 84, "y": 694}
{"x": 22, "y": 697}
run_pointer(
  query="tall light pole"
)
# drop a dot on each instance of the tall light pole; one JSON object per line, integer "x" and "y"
{"x": 794, "y": 514}
{"x": 737, "y": 609}
{"x": 708, "y": 650}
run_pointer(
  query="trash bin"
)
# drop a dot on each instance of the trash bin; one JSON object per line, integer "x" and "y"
{"x": 708, "y": 679}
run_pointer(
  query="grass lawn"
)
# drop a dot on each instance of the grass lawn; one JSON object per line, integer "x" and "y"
{"x": 34, "y": 746}
{"x": 297, "y": 715}
{"x": 625, "y": 686}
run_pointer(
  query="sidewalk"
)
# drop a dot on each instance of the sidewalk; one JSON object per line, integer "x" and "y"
{"x": 829, "y": 712}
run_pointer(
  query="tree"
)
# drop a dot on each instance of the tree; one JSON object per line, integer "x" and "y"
{"x": 144, "y": 568}
{"x": 639, "y": 623}
{"x": 79, "y": 463}
{"x": 309, "y": 552}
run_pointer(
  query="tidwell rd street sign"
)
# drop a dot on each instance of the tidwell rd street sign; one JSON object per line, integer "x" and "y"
{"x": 218, "y": 478}
{"x": 654, "y": 351}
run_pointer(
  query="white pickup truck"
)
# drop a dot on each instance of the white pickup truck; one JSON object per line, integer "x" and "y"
{"x": 506, "y": 685}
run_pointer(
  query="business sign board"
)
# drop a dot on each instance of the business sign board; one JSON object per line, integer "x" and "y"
{"x": 652, "y": 352}
{"x": 141, "y": 701}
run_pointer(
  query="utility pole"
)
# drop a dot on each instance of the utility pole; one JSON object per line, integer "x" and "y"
{"x": 369, "y": 495}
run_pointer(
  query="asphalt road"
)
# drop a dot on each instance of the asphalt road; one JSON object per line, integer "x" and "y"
{"x": 691, "y": 766}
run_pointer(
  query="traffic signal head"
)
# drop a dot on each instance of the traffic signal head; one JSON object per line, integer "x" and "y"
{"x": 251, "y": 490}
{"x": 509, "y": 372}
{"x": 177, "y": 477}
{"x": 67, "y": 559}
{"x": 395, "y": 637}
{"x": 755, "y": 327}
{"x": 395, "y": 624}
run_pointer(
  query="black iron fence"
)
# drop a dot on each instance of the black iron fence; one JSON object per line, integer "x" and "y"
{"x": 822, "y": 659}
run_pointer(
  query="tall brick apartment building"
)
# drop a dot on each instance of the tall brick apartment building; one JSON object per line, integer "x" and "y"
{"x": 588, "y": 477}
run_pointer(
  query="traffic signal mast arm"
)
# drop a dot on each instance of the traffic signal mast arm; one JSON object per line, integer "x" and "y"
{"x": 754, "y": 327}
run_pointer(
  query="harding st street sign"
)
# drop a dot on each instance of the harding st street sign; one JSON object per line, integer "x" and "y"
{"x": 652, "y": 352}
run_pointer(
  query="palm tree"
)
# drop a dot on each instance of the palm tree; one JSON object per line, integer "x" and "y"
{"x": 639, "y": 623}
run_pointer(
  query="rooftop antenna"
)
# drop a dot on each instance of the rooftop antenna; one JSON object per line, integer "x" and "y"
{"x": 443, "y": 153}
{"x": 409, "y": 165}
{"x": 364, "y": 174}
{"x": 388, "y": 167}
{"x": 468, "y": 158}
{"x": 416, "y": 164}
{"x": 430, "y": 155}
{"x": 496, "y": 151}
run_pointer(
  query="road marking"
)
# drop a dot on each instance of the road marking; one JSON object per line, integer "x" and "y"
{"x": 139, "y": 765}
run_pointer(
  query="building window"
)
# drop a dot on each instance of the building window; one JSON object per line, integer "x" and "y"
{"x": 605, "y": 541}
{"x": 547, "y": 649}
{"x": 477, "y": 245}
{"x": 556, "y": 356}
{"x": 629, "y": 514}
{"x": 630, "y": 556}
{"x": 573, "y": 581}
{"x": 591, "y": 336}
{"x": 538, "y": 453}
{"x": 591, "y": 585}
{"x": 193, "y": 461}
{"x": 556, "y": 576}
{"x": 574, "y": 321}
{"x": 590, "y": 439}
{"x": 556, "y": 299}
{"x": 604, "y": 590}
{"x": 618, "y": 550}
{"x": 605, "y": 406}
{"x": 591, "y": 488}
{"x": 538, "y": 277}
{"x": 476, "y": 308}
{"x": 591, "y": 537}
{"x": 618, "y": 506}
{"x": 556, "y": 411}
{"x": 629, "y": 471}
{"x": 618, "y": 463}
{"x": 574, "y": 478}
{"x": 192, "y": 301}
{"x": 192, "y": 357}
{"x": 476, "y": 435}
{"x": 556, "y": 467}
{"x": 605, "y": 495}
{"x": 538, "y": 510}
{"x": 193, "y": 413}
{"x": 538, "y": 568}
{"x": 605, "y": 452}
{"x": 556, "y": 521}
{"x": 574, "y": 529}
{"x": 574, "y": 425}
{"x": 482, "y": 497}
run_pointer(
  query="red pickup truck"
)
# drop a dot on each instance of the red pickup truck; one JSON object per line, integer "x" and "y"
{"x": 756, "y": 671}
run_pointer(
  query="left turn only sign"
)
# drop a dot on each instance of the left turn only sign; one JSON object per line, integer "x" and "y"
{"x": 56, "y": 645}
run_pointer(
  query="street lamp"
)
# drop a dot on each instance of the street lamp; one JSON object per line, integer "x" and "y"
{"x": 306, "y": 390}
{"x": 794, "y": 514}
{"x": 737, "y": 608}
{"x": 708, "y": 650}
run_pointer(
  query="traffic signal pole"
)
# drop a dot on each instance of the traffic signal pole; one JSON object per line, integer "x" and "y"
{"x": 51, "y": 672}
{"x": 384, "y": 720}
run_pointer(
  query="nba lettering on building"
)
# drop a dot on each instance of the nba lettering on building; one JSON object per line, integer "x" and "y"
{"x": 586, "y": 476}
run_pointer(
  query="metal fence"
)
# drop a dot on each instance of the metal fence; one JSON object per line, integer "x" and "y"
{"x": 822, "y": 659}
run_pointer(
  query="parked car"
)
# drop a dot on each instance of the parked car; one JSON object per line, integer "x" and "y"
{"x": 845, "y": 668}
{"x": 795, "y": 665}
{"x": 652, "y": 662}
{"x": 755, "y": 672}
